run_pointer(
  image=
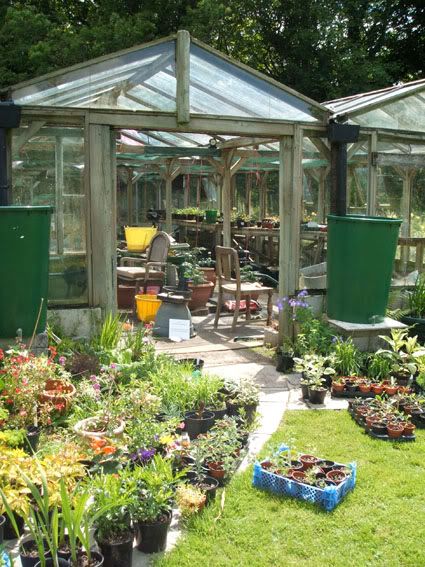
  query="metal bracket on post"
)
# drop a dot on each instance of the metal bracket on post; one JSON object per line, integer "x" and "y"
{"x": 10, "y": 117}
{"x": 339, "y": 135}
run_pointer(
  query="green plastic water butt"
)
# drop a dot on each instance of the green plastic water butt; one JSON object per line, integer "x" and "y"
{"x": 361, "y": 253}
{"x": 24, "y": 253}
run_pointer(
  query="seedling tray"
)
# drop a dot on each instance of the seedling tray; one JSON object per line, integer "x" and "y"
{"x": 327, "y": 498}
{"x": 403, "y": 438}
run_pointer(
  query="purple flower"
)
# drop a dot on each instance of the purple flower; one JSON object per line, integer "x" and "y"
{"x": 96, "y": 387}
{"x": 93, "y": 378}
{"x": 303, "y": 293}
{"x": 62, "y": 360}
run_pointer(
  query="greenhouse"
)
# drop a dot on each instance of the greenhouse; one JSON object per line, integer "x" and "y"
{"x": 175, "y": 127}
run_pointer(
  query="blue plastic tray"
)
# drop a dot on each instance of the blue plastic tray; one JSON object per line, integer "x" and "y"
{"x": 328, "y": 497}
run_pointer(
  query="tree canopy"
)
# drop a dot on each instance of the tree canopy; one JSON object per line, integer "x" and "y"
{"x": 322, "y": 48}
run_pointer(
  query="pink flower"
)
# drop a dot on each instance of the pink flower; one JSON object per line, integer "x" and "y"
{"x": 62, "y": 360}
{"x": 96, "y": 387}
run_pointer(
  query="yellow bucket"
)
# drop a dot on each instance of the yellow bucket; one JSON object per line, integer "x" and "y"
{"x": 139, "y": 237}
{"x": 147, "y": 306}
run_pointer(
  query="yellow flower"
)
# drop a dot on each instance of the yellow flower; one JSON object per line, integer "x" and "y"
{"x": 166, "y": 439}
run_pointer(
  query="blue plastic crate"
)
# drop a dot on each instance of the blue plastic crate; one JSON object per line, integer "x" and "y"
{"x": 328, "y": 497}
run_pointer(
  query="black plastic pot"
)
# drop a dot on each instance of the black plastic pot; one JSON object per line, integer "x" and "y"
{"x": 117, "y": 553}
{"x": 208, "y": 485}
{"x": 250, "y": 409}
{"x": 152, "y": 537}
{"x": 49, "y": 562}
{"x": 326, "y": 466}
{"x": 28, "y": 560}
{"x": 31, "y": 440}
{"x": 284, "y": 362}
{"x": 194, "y": 426}
{"x": 317, "y": 396}
{"x": 417, "y": 325}
{"x": 352, "y": 387}
{"x": 2, "y": 522}
{"x": 379, "y": 428}
{"x": 9, "y": 532}
{"x": 305, "y": 391}
{"x": 218, "y": 413}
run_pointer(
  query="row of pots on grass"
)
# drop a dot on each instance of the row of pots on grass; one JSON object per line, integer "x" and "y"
{"x": 382, "y": 422}
{"x": 353, "y": 385}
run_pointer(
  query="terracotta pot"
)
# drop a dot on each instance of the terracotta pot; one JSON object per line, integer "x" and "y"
{"x": 336, "y": 387}
{"x": 377, "y": 389}
{"x": 395, "y": 430}
{"x": 216, "y": 470}
{"x": 308, "y": 461}
{"x": 390, "y": 390}
{"x": 337, "y": 476}
{"x": 365, "y": 388}
{"x": 298, "y": 476}
{"x": 200, "y": 295}
{"x": 59, "y": 393}
{"x": 210, "y": 276}
{"x": 409, "y": 429}
{"x": 370, "y": 419}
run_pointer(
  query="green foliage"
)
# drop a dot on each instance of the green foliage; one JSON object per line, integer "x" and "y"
{"x": 12, "y": 437}
{"x": 323, "y": 49}
{"x": 110, "y": 333}
{"x": 257, "y": 527}
{"x": 248, "y": 274}
{"x": 315, "y": 336}
{"x": 347, "y": 358}
{"x": 417, "y": 298}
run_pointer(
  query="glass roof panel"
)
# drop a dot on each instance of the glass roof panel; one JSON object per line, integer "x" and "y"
{"x": 143, "y": 79}
{"x": 407, "y": 113}
{"x": 220, "y": 87}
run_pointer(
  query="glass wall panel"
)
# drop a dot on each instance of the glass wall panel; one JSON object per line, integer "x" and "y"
{"x": 48, "y": 169}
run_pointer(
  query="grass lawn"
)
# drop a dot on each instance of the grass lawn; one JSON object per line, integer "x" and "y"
{"x": 381, "y": 523}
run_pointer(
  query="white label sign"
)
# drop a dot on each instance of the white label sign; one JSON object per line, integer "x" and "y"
{"x": 179, "y": 330}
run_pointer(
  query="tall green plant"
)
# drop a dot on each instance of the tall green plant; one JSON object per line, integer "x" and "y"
{"x": 110, "y": 333}
{"x": 417, "y": 298}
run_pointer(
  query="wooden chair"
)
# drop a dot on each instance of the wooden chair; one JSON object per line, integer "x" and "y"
{"x": 146, "y": 271}
{"x": 227, "y": 265}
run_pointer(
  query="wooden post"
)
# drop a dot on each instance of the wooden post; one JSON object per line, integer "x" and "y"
{"x": 130, "y": 196}
{"x": 321, "y": 196}
{"x": 182, "y": 76}
{"x": 290, "y": 196}
{"x": 373, "y": 174}
{"x": 226, "y": 198}
{"x": 171, "y": 172}
{"x": 407, "y": 175}
{"x": 103, "y": 216}
{"x": 59, "y": 194}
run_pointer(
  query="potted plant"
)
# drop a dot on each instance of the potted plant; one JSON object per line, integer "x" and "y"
{"x": 317, "y": 392}
{"x": 243, "y": 395}
{"x": 285, "y": 356}
{"x": 190, "y": 500}
{"x": 198, "y": 476}
{"x": 338, "y": 384}
{"x": 197, "y": 284}
{"x": 152, "y": 512}
{"x": 347, "y": 357}
{"x": 114, "y": 532}
{"x": 220, "y": 448}
{"x": 197, "y": 422}
{"x": 415, "y": 316}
